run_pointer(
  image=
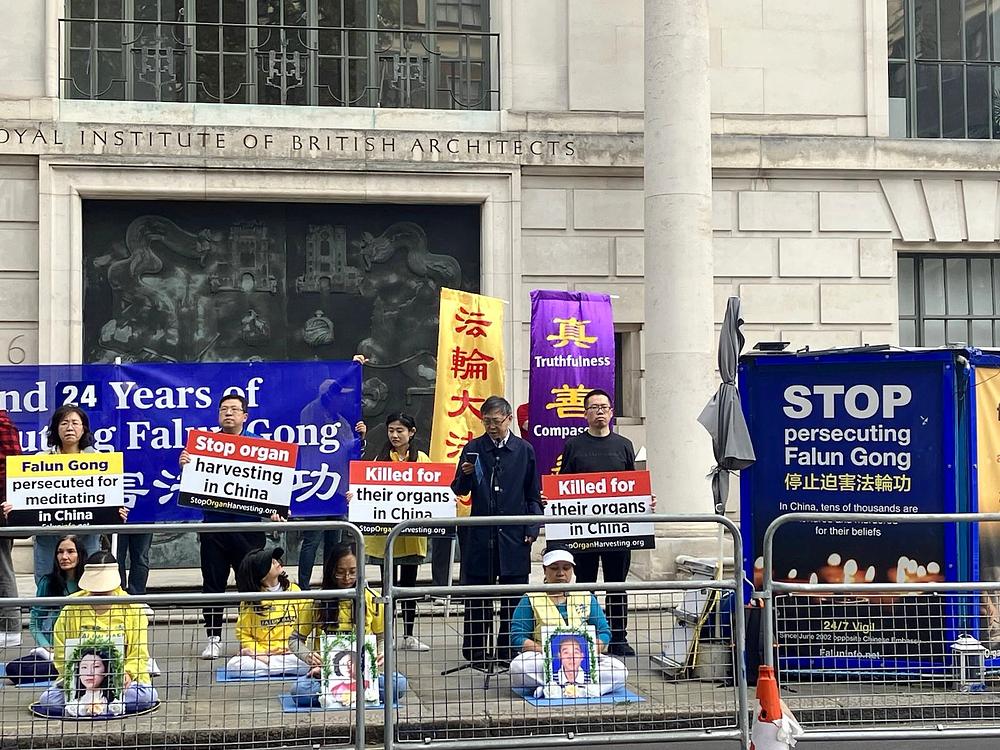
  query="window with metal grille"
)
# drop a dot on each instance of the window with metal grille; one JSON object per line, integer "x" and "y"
{"x": 432, "y": 54}
{"x": 949, "y": 299}
{"x": 944, "y": 68}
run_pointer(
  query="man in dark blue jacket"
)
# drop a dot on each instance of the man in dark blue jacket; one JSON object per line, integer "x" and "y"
{"x": 498, "y": 470}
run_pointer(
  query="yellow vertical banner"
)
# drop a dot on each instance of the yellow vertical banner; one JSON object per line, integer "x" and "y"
{"x": 988, "y": 468}
{"x": 470, "y": 369}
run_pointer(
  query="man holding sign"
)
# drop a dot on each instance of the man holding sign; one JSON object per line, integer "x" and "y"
{"x": 223, "y": 550}
{"x": 599, "y": 450}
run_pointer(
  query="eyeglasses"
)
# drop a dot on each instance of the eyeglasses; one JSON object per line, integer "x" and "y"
{"x": 230, "y": 410}
{"x": 345, "y": 575}
{"x": 599, "y": 408}
{"x": 495, "y": 421}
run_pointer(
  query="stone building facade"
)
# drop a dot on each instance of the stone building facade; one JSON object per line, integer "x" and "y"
{"x": 820, "y": 185}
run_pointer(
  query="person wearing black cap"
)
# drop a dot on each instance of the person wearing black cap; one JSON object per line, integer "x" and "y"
{"x": 263, "y": 628}
{"x": 554, "y": 609}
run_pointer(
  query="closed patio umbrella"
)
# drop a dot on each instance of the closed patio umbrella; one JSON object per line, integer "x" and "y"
{"x": 723, "y": 415}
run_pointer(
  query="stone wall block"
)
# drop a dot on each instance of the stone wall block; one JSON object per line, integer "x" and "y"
{"x": 777, "y": 211}
{"x": 818, "y": 257}
{"x": 980, "y": 200}
{"x": 779, "y": 303}
{"x": 744, "y": 256}
{"x": 857, "y": 303}
{"x": 909, "y": 211}
{"x": 943, "y": 206}
{"x": 854, "y": 212}
{"x": 573, "y": 256}
{"x": 543, "y": 208}
{"x": 607, "y": 209}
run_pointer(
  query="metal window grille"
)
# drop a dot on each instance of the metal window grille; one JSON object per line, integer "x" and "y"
{"x": 368, "y": 53}
{"x": 949, "y": 299}
{"x": 944, "y": 68}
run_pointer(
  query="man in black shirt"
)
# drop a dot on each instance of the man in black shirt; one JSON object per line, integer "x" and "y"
{"x": 599, "y": 450}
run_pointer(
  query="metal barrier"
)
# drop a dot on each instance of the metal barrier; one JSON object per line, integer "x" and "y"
{"x": 457, "y": 706}
{"x": 861, "y": 661}
{"x": 195, "y": 709}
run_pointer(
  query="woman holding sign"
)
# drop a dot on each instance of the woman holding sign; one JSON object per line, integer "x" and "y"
{"x": 69, "y": 432}
{"x": 408, "y": 551}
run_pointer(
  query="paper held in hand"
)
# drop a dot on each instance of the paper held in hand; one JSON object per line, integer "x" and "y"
{"x": 238, "y": 474}
{"x": 610, "y": 495}
{"x": 387, "y": 492}
{"x": 55, "y": 489}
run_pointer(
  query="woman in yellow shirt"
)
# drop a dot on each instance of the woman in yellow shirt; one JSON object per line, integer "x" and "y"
{"x": 264, "y": 628}
{"x": 408, "y": 551}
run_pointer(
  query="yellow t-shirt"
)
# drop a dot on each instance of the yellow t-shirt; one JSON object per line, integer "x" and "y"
{"x": 310, "y": 625}
{"x": 125, "y": 620}
{"x": 267, "y": 626}
{"x": 405, "y": 546}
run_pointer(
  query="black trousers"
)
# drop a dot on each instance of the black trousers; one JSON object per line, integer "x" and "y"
{"x": 405, "y": 575}
{"x": 478, "y": 625}
{"x": 220, "y": 552}
{"x": 616, "y": 564}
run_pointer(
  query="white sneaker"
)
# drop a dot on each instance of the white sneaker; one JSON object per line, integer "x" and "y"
{"x": 214, "y": 648}
{"x": 153, "y": 668}
{"x": 412, "y": 643}
{"x": 10, "y": 640}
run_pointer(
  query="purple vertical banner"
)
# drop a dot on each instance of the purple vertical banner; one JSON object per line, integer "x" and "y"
{"x": 572, "y": 352}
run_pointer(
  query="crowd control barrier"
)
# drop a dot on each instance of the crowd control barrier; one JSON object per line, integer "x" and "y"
{"x": 912, "y": 659}
{"x": 201, "y": 703}
{"x": 207, "y": 704}
{"x": 465, "y": 701}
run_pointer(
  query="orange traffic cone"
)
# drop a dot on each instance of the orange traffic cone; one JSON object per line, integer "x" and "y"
{"x": 774, "y": 726}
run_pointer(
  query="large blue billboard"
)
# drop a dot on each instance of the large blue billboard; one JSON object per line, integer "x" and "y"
{"x": 852, "y": 433}
{"x": 146, "y": 410}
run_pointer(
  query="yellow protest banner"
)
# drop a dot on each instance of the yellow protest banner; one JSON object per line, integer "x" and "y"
{"x": 470, "y": 369}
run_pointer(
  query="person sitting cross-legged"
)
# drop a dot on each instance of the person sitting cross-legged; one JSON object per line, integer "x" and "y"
{"x": 264, "y": 627}
{"x": 93, "y": 618}
{"x": 557, "y": 608}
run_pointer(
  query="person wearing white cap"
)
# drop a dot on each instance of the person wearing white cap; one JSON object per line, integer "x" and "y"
{"x": 90, "y": 617}
{"x": 554, "y": 609}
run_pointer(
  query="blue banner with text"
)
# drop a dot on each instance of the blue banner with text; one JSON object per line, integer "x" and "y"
{"x": 146, "y": 410}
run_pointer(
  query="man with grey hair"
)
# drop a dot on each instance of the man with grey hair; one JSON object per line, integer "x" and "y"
{"x": 497, "y": 469}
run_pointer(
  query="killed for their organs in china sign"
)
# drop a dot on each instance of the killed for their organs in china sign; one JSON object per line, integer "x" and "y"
{"x": 572, "y": 353}
{"x": 387, "y": 492}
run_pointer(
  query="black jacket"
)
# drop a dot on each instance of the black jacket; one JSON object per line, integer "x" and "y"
{"x": 512, "y": 469}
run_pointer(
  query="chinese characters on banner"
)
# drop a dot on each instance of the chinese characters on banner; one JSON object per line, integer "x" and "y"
{"x": 572, "y": 352}
{"x": 470, "y": 370}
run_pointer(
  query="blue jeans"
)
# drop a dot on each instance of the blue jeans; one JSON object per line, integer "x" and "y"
{"x": 307, "y": 551}
{"x": 135, "y": 548}
{"x": 305, "y": 691}
{"x": 45, "y": 551}
{"x": 136, "y": 697}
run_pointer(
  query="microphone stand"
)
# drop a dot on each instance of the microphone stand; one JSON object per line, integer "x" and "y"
{"x": 491, "y": 665}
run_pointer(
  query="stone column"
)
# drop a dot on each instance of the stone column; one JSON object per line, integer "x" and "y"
{"x": 678, "y": 331}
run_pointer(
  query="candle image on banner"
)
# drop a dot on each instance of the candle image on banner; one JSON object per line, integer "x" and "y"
{"x": 572, "y": 353}
{"x": 386, "y": 493}
{"x": 470, "y": 370}
{"x": 52, "y": 489}
{"x": 238, "y": 474}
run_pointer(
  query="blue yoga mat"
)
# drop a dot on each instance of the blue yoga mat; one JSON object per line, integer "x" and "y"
{"x": 621, "y": 696}
{"x": 288, "y": 706}
{"x": 43, "y": 684}
{"x": 221, "y": 675}
{"x": 43, "y": 713}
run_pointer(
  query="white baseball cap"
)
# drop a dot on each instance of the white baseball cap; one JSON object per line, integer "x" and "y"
{"x": 558, "y": 555}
